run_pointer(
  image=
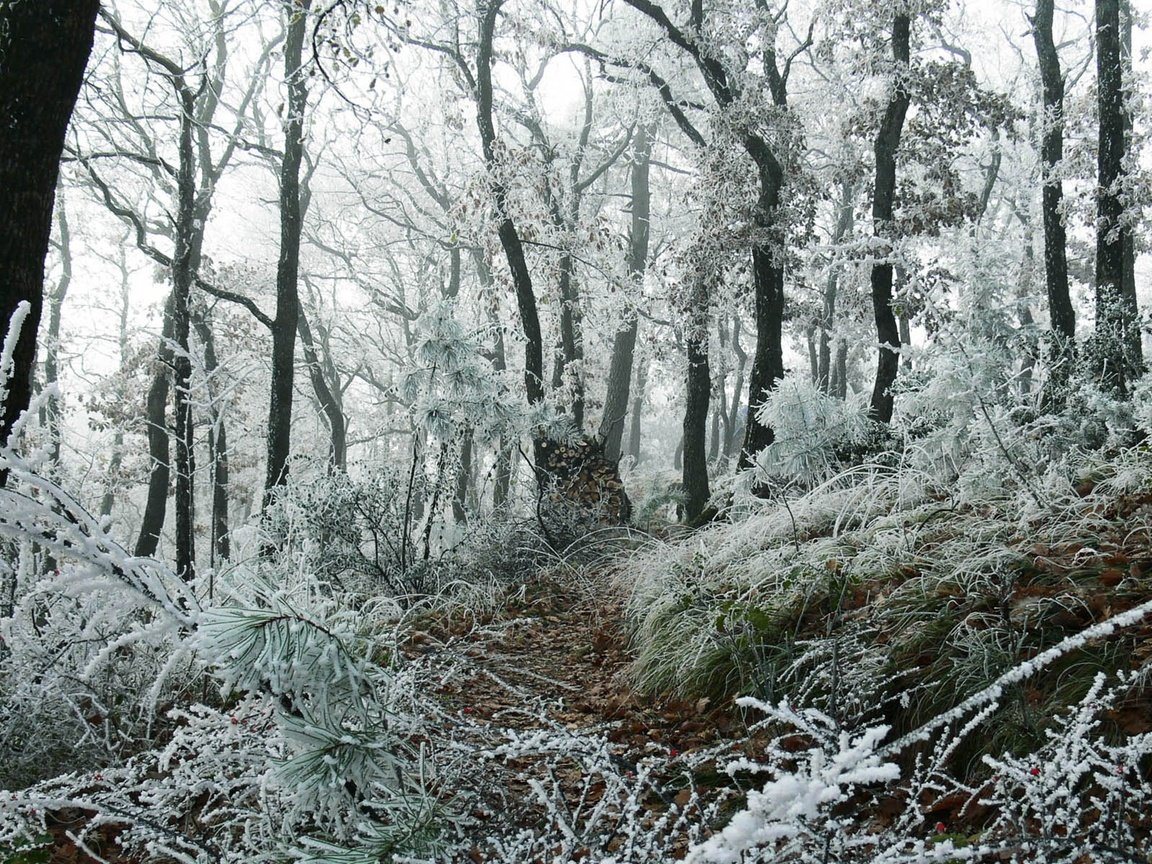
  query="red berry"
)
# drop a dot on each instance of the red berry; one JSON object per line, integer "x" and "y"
{"x": 941, "y": 827}
{"x": 468, "y": 709}
{"x": 1035, "y": 772}
{"x": 673, "y": 752}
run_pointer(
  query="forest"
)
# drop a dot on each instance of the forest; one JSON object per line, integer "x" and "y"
{"x": 552, "y": 431}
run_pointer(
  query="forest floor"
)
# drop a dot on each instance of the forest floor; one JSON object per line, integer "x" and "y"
{"x": 554, "y": 655}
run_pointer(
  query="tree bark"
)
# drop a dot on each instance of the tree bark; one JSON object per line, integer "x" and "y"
{"x": 1060, "y": 312}
{"x": 463, "y": 477}
{"x": 328, "y": 395}
{"x": 624, "y": 342}
{"x": 221, "y": 543}
{"x": 769, "y": 238}
{"x": 188, "y": 237}
{"x": 883, "y": 199}
{"x": 44, "y": 47}
{"x": 159, "y": 453}
{"x": 768, "y": 290}
{"x": 636, "y": 414}
{"x": 844, "y": 223}
{"x": 508, "y": 234}
{"x": 698, "y": 392}
{"x": 288, "y": 265}
{"x": 51, "y": 410}
{"x": 1116, "y": 358}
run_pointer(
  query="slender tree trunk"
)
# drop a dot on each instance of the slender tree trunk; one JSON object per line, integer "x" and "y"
{"x": 327, "y": 394}
{"x": 463, "y": 476}
{"x": 1062, "y": 351}
{"x": 844, "y": 223}
{"x": 737, "y": 389}
{"x": 714, "y": 426}
{"x": 624, "y": 342}
{"x": 697, "y": 395}
{"x": 571, "y": 340}
{"x": 221, "y": 543}
{"x": 839, "y": 377}
{"x": 51, "y": 411}
{"x": 502, "y": 466}
{"x": 1128, "y": 239}
{"x": 183, "y": 270}
{"x": 508, "y": 234}
{"x": 1117, "y": 357}
{"x": 117, "y": 457}
{"x": 883, "y": 199}
{"x": 288, "y": 266}
{"x": 44, "y": 47}
{"x": 636, "y": 414}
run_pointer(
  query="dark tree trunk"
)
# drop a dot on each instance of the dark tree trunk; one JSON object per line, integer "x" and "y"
{"x": 698, "y": 391}
{"x": 699, "y": 387}
{"x": 188, "y": 234}
{"x": 159, "y": 454}
{"x": 571, "y": 339}
{"x": 1117, "y": 357}
{"x": 883, "y": 199}
{"x": 838, "y": 380}
{"x": 1128, "y": 240}
{"x": 1062, "y": 315}
{"x": 288, "y": 266}
{"x": 509, "y": 236}
{"x": 44, "y": 47}
{"x": 624, "y": 343}
{"x": 768, "y": 289}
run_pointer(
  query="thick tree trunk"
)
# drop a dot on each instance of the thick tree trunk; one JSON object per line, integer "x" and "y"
{"x": 159, "y": 454}
{"x": 624, "y": 342}
{"x": 44, "y": 47}
{"x": 1060, "y": 312}
{"x": 288, "y": 266}
{"x": 883, "y": 199}
{"x": 1116, "y": 358}
{"x": 768, "y": 289}
{"x": 571, "y": 340}
{"x": 188, "y": 235}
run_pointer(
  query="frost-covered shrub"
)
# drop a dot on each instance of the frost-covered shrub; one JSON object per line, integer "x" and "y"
{"x": 357, "y": 533}
{"x": 815, "y": 434}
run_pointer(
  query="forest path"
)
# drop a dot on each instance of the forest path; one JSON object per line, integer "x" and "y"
{"x": 559, "y": 653}
{"x": 540, "y": 696}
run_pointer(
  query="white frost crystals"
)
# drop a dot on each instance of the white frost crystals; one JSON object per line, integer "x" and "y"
{"x": 793, "y": 811}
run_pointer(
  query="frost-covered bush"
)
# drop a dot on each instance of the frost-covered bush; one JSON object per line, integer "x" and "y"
{"x": 815, "y": 434}
{"x": 246, "y": 716}
{"x": 357, "y": 533}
